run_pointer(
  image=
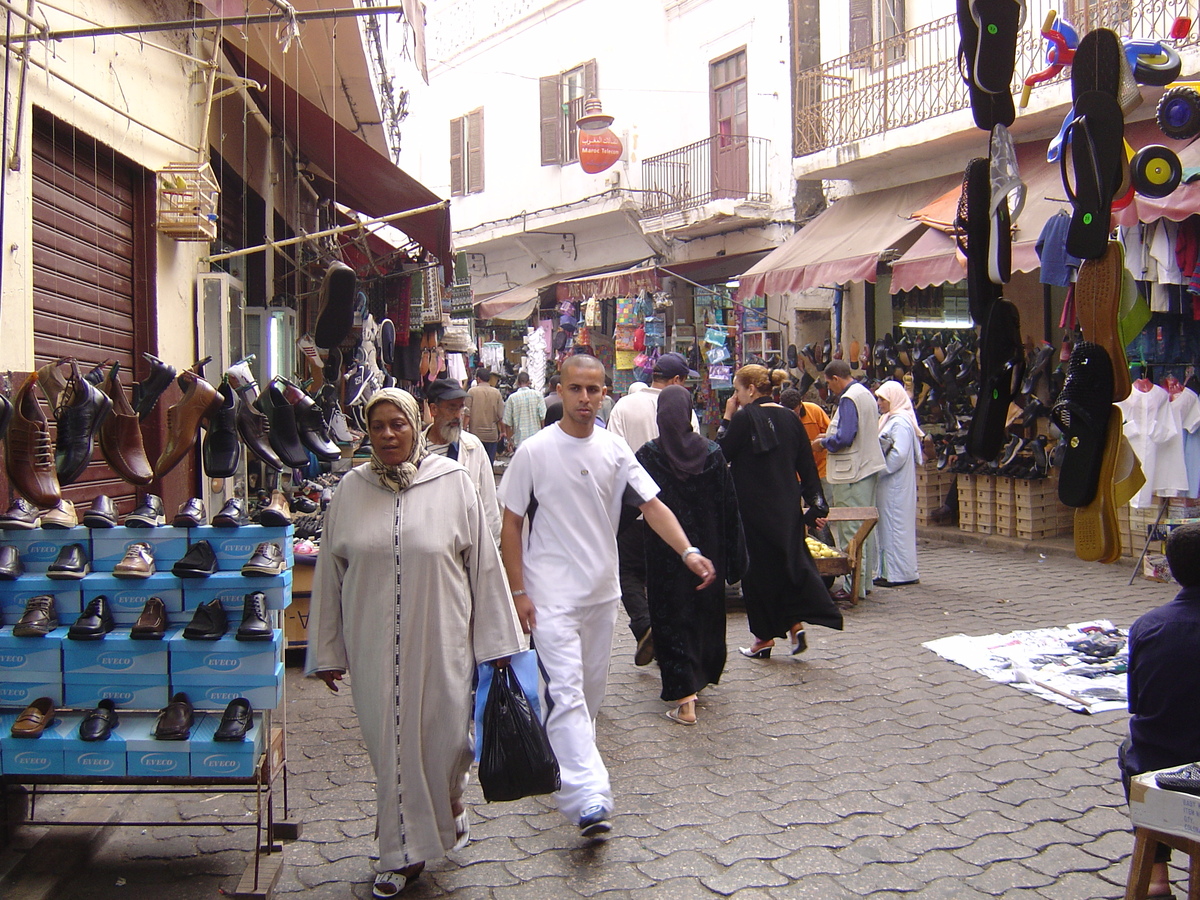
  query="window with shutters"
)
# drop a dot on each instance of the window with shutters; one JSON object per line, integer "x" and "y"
{"x": 876, "y": 29}
{"x": 466, "y": 154}
{"x": 560, "y": 99}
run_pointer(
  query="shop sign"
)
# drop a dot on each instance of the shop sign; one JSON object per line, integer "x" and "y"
{"x": 598, "y": 150}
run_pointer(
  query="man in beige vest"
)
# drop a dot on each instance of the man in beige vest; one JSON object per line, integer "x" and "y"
{"x": 855, "y": 458}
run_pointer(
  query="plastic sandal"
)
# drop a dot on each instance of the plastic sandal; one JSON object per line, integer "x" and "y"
{"x": 1097, "y": 149}
{"x": 1097, "y": 304}
{"x": 388, "y": 884}
{"x": 973, "y": 225}
{"x": 1082, "y": 414}
{"x": 1002, "y": 363}
{"x": 988, "y": 109}
{"x": 997, "y": 23}
{"x": 675, "y": 716}
{"x": 462, "y": 830}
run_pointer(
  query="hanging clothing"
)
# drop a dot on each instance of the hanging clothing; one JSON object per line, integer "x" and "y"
{"x": 1155, "y": 436}
{"x": 1058, "y": 267}
{"x": 1186, "y": 407}
{"x": 896, "y": 499}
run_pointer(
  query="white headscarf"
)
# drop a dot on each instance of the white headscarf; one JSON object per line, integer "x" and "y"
{"x": 899, "y": 404}
{"x": 397, "y": 478}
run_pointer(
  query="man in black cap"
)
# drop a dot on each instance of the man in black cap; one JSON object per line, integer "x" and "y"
{"x": 635, "y": 419}
{"x": 445, "y": 436}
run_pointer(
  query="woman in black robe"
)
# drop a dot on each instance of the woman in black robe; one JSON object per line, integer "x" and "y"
{"x": 689, "y": 625}
{"x": 767, "y": 449}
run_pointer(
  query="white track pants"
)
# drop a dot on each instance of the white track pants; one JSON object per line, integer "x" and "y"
{"x": 574, "y": 646}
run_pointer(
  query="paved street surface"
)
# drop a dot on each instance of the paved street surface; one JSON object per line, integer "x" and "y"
{"x": 871, "y": 768}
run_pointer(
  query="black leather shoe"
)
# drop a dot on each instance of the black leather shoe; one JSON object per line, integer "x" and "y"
{"x": 152, "y": 623}
{"x": 237, "y": 719}
{"x": 72, "y": 563}
{"x": 255, "y": 431}
{"x": 175, "y": 719}
{"x": 99, "y": 723}
{"x": 221, "y": 451}
{"x": 190, "y": 515}
{"x": 39, "y": 619}
{"x": 268, "y": 559}
{"x": 310, "y": 422}
{"x": 283, "y": 436}
{"x": 101, "y": 514}
{"x": 149, "y": 515}
{"x": 10, "y": 563}
{"x": 21, "y": 516}
{"x": 82, "y": 408}
{"x": 232, "y": 515}
{"x": 95, "y": 623}
{"x": 151, "y": 388}
{"x": 209, "y": 622}
{"x": 255, "y": 624}
{"x": 199, "y": 562}
{"x": 335, "y": 317}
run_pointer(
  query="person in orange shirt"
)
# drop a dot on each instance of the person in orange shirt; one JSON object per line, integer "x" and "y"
{"x": 815, "y": 421}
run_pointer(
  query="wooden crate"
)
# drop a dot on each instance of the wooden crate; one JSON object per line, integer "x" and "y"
{"x": 968, "y": 512}
{"x": 931, "y": 490}
{"x": 985, "y": 503}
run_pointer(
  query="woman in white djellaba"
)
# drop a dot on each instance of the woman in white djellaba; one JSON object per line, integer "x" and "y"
{"x": 409, "y": 595}
{"x": 896, "y": 495}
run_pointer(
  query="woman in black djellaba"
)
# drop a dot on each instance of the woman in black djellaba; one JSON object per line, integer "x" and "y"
{"x": 773, "y": 469}
{"x": 689, "y": 625}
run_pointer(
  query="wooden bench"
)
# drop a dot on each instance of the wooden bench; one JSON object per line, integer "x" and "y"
{"x": 1144, "y": 841}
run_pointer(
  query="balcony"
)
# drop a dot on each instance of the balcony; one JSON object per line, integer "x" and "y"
{"x": 715, "y": 168}
{"x": 914, "y": 76}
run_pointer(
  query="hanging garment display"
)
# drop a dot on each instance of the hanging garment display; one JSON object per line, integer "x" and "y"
{"x": 1156, "y": 438}
{"x": 534, "y": 361}
{"x": 456, "y": 366}
{"x": 1186, "y": 407}
{"x": 591, "y": 312}
{"x": 491, "y": 356}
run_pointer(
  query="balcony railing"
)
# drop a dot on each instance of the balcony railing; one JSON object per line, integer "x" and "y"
{"x": 915, "y": 76}
{"x": 721, "y": 166}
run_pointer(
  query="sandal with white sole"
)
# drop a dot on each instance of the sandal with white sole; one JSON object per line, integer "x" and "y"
{"x": 388, "y": 884}
{"x": 462, "y": 830}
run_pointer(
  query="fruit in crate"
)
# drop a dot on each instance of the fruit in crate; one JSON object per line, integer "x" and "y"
{"x": 820, "y": 550}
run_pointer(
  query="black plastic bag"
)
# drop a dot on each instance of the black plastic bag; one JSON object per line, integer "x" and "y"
{"x": 516, "y": 760}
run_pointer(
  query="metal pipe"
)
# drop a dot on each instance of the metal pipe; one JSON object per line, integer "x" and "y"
{"x": 14, "y": 162}
{"x": 188, "y": 24}
{"x": 8, "y": 7}
{"x": 160, "y": 47}
{"x": 328, "y": 232}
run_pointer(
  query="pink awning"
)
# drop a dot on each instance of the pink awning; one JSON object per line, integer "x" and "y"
{"x": 933, "y": 259}
{"x": 1182, "y": 202}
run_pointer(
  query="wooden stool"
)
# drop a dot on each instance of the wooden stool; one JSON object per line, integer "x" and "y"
{"x": 1144, "y": 840}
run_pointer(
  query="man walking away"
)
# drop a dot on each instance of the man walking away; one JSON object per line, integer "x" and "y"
{"x": 445, "y": 437}
{"x": 485, "y": 408}
{"x": 524, "y": 411}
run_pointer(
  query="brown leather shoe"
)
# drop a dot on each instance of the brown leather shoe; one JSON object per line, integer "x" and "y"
{"x": 200, "y": 399}
{"x": 33, "y": 721}
{"x": 276, "y": 513}
{"x": 121, "y": 437}
{"x": 62, "y": 516}
{"x": 53, "y": 380}
{"x": 152, "y": 623}
{"x": 137, "y": 563}
{"x": 39, "y": 619}
{"x": 28, "y": 450}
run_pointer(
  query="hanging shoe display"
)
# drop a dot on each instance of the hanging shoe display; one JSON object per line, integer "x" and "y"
{"x": 121, "y": 442}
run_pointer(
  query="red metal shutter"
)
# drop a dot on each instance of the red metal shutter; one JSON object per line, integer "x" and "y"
{"x": 456, "y": 158}
{"x": 475, "y": 151}
{"x": 550, "y": 104}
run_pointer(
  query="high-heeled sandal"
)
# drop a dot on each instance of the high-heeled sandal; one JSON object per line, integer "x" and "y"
{"x": 799, "y": 642}
{"x": 763, "y": 651}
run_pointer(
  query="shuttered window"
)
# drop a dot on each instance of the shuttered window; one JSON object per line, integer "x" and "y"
{"x": 561, "y": 98}
{"x": 466, "y": 154}
{"x": 875, "y": 27}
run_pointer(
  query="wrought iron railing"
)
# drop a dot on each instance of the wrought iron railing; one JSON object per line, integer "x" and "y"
{"x": 716, "y": 167}
{"x": 915, "y": 76}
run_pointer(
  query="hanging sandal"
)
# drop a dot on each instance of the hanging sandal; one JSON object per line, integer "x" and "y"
{"x": 1082, "y": 414}
{"x": 1097, "y": 304}
{"x": 1097, "y": 531}
{"x": 676, "y": 714}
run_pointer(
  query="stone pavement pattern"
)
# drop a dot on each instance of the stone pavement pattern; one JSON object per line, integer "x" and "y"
{"x": 869, "y": 768}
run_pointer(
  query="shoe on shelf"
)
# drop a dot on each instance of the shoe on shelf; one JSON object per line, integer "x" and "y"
{"x": 39, "y": 619}
{"x": 231, "y": 515}
{"x": 335, "y": 316}
{"x": 10, "y": 563}
{"x": 200, "y": 400}
{"x": 101, "y": 514}
{"x": 53, "y": 380}
{"x": 95, "y": 623}
{"x": 175, "y": 720}
{"x": 21, "y": 516}
{"x": 221, "y": 451}
{"x": 61, "y": 516}
{"x": 190, "y": 514}
{"x": 72, "y": 563}
{"x": 199, "y": 562}
{"x": 241, "y": 378}
{"x": 594, "y": 822}
{"x": 310, "y": 422}
{"x": 276, "y": 513}
{"x": 138, "y": 561}
{"x": 237, "y": 719}
{"x": 268, "y": 559}
{"x": 152, "y": 623}
{"x": 283, "y": 435}
{"x": 36, "y": 718}
{"x": 99, "y": 723}
{"x": 255, "y": 431}
{"x": 209, "y": 622}
{"x": 150, "y": 514}
{"x": 256, "y": 624}
{"x": 121, "y": 442}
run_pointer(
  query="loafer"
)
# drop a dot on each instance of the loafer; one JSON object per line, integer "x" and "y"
{"x": 99, "y": 723}
{"x": 95, "y": 623}
{"x": 209, "y": 622}
{"x": 71, "y": 563}
{"x": 190, "y": 515}
{"x": 28, "y": 452}
{"x": 310, "y": 422}
{"x": 61, "y": 516}
{"x": 221, "y": 451}
{"x": 10, "y": 563}
{"x": 151, "y": 388}
{"x": 21, "y": 516}
{"x": 152, "y": 623}
{"x": 138, "y": 561}
{"x": 255, "y": 431}
{"x": 232, "y": 515}
{"x": 39, "y": 619}
{"x": 37, "y": 716}
{"x": 335, "y": 316}
{"x": 150, "y": 514}
{"x": 237, "y": 719}
{"x": 256, "y": 626}
{"x": 283, "y": 435}
{"x": 175, "y": 719}
{"x": 199, "y": 562}
{"x": 101, "y": 514}
{"x": 121, "y": 442}
{"x": 82, "y": 409}
{"x": 276, "y": 513}
{"x": 267, "y": 559}
{"x": 200, "y": 400}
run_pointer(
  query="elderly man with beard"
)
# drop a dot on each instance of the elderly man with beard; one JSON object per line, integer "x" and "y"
{"x": 445, "y": 436}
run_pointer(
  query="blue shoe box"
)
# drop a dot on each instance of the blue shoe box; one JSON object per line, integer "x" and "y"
{"x": 116, "y": 654}
{"x": 234, "y": 546}
{"x": 29, "y": 756}
{"x": 109, "y": 545}
{"x": 127, "y": 596}
{"x": 215, "y": 691}
{"x": 133, "y": 691}
{"x": 232, "y": 588}
{"x": 19, "y": 689}
{"x": 226, "y": 657}
{"x": 30, "y": 654}
{"x": 90, "y": 758}
{"x": 15, "y": 594}
{"x": 225, "y": 759}
{"x": 39, "y": 546}
{"x": 146, "y": 756}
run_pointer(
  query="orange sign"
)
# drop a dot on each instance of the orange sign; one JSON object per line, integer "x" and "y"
{"x": 598, "y": 150}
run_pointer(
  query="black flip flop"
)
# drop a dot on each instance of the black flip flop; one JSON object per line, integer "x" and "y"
{"x": 974, "y": 223}
{"x": 1097, "y": 140}
{"x": 1081, "y": 413}
{"x": 1097, "y": 64}
{"x": 997, "y": 23}
{"x": 1001, "y": 365}
{"x": 988, "y": 109}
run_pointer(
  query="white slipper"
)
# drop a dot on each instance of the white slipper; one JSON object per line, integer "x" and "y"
{"x": 388, "y": 884}
{"x": 462, "y": 830}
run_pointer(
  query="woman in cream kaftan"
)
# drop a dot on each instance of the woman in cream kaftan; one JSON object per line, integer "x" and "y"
{"x": 408, "y": 596}
{"x": 896, "y": 496}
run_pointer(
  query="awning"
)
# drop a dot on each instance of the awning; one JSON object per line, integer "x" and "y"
{"x": 714, "y": 269}
{"x": 610, "y": 284}
{"x": 515, "y": 303}
{"x": 933, "y": 259}
{"x": 352, "y": 173}
{"x": 844, "y": 242}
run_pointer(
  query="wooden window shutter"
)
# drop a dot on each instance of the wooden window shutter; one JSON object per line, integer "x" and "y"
{"x": 457, "y": 185}
{"x": 860, "y": 32}
{"x": 475, "y": 151}
{"x": 550, "y": 100}
{"x": 590, "y": 86}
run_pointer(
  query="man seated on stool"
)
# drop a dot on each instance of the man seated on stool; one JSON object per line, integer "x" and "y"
{"x": 1164, "y": 681}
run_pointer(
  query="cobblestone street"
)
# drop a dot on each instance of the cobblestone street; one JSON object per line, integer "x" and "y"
{"x": 871, "y": 768}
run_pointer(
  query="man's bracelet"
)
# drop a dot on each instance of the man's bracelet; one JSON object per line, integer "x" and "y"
{"x": 520, "y": 593}
{"x": 688, "y": 551}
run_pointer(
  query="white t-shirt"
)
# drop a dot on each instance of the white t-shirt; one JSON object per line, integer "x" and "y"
{"x": 635, "y": 417}
{"x": 579, "y": 484}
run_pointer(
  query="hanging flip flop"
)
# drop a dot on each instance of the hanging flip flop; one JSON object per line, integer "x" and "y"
{"x": 1006, "y": 200}
{"x": 1081, "y": 414}
{"x": 973, "y": 226}
{"x": 1096, "y": 529}
{"x": 1100, "y": 64}
{"x": 997, "y": 23}
{"x": 988, "y": 109}
{"x": 1097, "y": 304}
{"x": 1001, "y": 365}
{"x": 1097, "y": 150}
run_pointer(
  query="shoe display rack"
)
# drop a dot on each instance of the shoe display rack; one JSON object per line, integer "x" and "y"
{"x": 140, "y": 677}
